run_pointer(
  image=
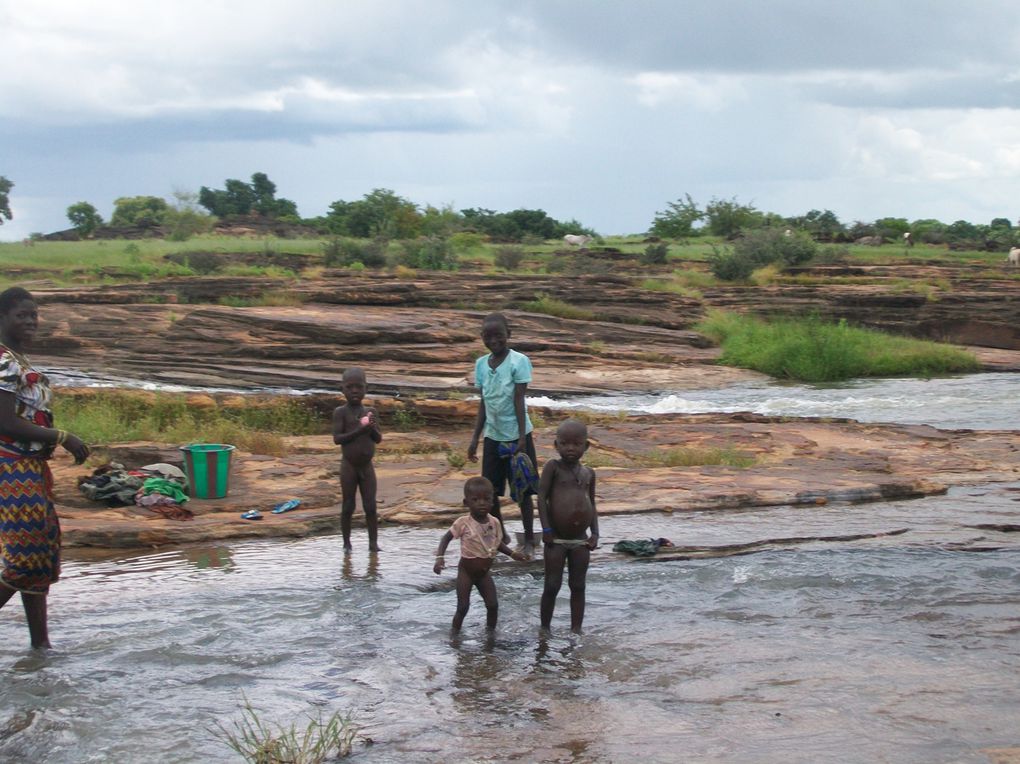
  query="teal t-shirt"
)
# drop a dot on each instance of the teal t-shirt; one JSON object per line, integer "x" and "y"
{"x": 497, "y": 388}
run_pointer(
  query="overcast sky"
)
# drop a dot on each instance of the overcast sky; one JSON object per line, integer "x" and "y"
{"x": 596, "y": 110}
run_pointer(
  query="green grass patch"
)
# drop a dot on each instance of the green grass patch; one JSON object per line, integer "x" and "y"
{"x": 675, "y": 287}
{"x": 264, "y": 300}
{"x": 552, "y": 306}
{"x": 696, "y": 457}
{"x": 119, "y": 416}
{"x": 812, "y": 350}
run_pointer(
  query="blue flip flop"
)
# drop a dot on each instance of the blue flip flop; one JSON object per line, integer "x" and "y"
{"x": 251, "y": 514}
{"x": 286, "y": 506}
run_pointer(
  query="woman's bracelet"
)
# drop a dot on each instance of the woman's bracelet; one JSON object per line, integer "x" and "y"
{"x": 61, "y": 437}
{"x": 547, "y": 530}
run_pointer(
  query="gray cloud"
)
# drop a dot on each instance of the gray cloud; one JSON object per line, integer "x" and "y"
{"x": 602, "y": 111}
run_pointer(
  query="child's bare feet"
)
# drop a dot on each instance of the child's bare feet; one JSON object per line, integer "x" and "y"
{"x": 528, "y": 549}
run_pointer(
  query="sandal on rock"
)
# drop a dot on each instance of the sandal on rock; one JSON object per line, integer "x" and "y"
{"x": 251, "y": 514}
{"x": 286, "y": 506}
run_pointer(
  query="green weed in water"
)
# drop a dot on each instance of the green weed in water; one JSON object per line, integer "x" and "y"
{"x": 257, "y": 742}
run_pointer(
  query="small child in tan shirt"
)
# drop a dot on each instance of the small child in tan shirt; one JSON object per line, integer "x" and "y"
{"x": 481, "y": 537}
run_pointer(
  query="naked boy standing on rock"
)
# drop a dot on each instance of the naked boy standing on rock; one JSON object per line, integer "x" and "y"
{"x": 356, "y": 431}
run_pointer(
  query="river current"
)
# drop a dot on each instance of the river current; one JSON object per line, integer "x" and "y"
{"x": 904, "y": 647}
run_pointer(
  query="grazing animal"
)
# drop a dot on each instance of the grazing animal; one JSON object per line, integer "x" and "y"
{"x": 1013, "y": 258}
{"x": 577, "y": 240}
{"x": 29, "y": 242}
{"x": 788, "y": 233}
{"x": 908, "y": 240}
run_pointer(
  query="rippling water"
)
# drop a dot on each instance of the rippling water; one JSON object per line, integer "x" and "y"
{"x": 901, "y": 648}
{"x": 977, "y": 401}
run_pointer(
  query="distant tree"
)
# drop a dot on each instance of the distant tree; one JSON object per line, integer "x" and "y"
{"x": 5, "y": 203}
{"x": 379, "y": 213}
{"x": 1001, "y": 223}
{"x": 678, "y": 221}
{"x": 139, "y": 210}
{"x": 518, "y": 225}
{"x": 534, "y": 222}
{"x": 240, "y": 198}
{"x": 859, "y": 229}
{"x": 928, "y": 231}
{"x": 823, "y": 226}
{"x": 440, "y": 221}
{"x": 84, "y": 218}
{"x": 962, "y": 231}
{"x": 727, "y": 217}
{"x": 184, "y": 219}
{"x": 892, "y": 228}
{"x": 263, "y": 192}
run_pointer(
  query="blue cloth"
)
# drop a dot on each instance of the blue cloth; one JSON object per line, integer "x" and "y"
{"x": 497, "y": 387}
{"x": 523, "y": 475}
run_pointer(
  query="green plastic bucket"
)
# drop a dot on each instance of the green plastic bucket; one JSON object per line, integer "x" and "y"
{"x": 208, "y": 468}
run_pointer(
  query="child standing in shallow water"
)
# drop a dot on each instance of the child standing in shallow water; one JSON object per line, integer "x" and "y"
{"x": 502, "y": 376}
{"x": 566, "y": 507}
{"x": 356, "y": 431}
{"x": 481, "y": 536}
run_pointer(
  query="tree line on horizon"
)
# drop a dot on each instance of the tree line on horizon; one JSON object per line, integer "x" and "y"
{"x": 381, "y": 213}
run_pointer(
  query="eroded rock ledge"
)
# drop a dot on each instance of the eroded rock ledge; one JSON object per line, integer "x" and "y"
{"x": 801, "y": 461}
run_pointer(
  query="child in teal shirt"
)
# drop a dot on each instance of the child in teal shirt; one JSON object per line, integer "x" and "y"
{"x": 502, "y": 377}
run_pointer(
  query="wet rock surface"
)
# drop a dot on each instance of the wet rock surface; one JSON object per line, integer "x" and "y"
{"x": 418, "y": 338}
{"x": 801, "y": 462}
{"x": 421, "y": 333}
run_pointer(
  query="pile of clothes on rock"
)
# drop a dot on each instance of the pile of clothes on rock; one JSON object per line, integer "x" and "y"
{"x": 642, "y": 547}
{"x": 160, "y": 488}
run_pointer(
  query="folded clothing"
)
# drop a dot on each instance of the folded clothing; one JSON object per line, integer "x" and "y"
{"x": 641, "y": 547}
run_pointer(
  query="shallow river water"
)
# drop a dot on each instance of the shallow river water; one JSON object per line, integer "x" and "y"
{"x": 901, "y": 648}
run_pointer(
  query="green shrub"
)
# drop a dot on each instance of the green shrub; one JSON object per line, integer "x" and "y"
{"x": 456, "y": 459}
{"x": 431, "y": 253}
{"x": 202, "y": 263}
{"x": 655, "y": 254}
{"x": 508, "y": 258}
{"x": 725, "y": 264}
{"x": 759, "y": 247}
{"x": 406, "y": 420}
{"x": 340, "y": 252}
{"x": 582, "y": 265}
{"x": 813, "y": 350}
{"x": 464, "y": 242}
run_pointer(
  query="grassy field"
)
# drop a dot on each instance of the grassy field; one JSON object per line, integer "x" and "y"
{"x": 120, "y": 261}
{"x": 811, "y": 350}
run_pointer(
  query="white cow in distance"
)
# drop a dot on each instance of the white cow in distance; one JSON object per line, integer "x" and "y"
{"x": 577, "y": 240}
{"x": 1013, "y": 258}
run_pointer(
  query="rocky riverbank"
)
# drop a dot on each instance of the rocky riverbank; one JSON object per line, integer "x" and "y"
{"x": 801, "y": 462}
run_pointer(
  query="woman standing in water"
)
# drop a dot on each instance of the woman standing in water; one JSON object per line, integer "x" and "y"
{"x": 29, "y": 529}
